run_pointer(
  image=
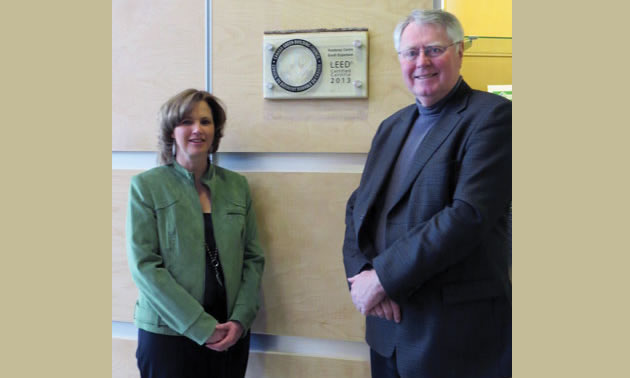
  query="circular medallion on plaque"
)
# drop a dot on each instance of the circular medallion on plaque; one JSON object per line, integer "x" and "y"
{"x": 296, "y": 65}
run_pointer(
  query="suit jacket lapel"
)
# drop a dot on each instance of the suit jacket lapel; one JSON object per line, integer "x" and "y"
{"x": 435, "y": 138}
{"x": 385, "y": 156}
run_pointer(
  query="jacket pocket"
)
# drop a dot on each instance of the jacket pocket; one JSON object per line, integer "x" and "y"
{"x": 471, "y": 291}
{"x": 235, "y": 213}
{"x": 236, "y": 210}
{"x": 166, "y": 214}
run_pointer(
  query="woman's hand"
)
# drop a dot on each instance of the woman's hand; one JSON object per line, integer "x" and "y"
{"x": 217, "y": 335}
{"x": 231, "y": 332}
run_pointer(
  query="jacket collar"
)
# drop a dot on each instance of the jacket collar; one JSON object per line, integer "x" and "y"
{"x": 207, "y": 176}
{"x": 392, "y": 145}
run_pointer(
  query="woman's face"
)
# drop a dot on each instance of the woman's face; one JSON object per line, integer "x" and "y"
{"x": 194, "y": 134}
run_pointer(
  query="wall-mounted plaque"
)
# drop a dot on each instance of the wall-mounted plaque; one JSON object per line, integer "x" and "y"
{"x": 323, "y": 63}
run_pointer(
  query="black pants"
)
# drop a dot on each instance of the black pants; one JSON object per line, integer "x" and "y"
{"x": 162, "y": 356}
{"x": 383, "y": 367}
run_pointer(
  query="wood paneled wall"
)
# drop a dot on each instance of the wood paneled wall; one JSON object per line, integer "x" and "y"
{"x": 301, "y": 224}
{"x": 124, "y": 291}
{"x": 158, "y": 49}
{"x": 304, "y": 125}
{"x": 124, "y": 358}
{"x": 276, "y": 365}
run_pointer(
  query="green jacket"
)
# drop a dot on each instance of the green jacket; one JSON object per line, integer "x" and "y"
{"x": 166, "y": 250}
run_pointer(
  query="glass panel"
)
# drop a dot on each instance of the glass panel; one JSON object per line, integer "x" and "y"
{"x": 487, "y": 46}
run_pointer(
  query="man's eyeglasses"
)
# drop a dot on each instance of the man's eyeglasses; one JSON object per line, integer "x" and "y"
{"x": 429, "y": 51}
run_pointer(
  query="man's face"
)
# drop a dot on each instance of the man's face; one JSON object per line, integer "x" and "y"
{"x": 429, "y": 79}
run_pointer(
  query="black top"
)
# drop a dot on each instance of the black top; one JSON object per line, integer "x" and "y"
{"x": 215, "y": 298}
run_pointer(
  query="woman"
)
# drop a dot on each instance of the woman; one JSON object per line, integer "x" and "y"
{"x": 193, "y": 250}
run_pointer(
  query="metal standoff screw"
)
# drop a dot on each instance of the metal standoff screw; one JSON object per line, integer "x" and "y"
{"x": 357, "y": 83}
{"x": 269, "y": 85}
{"x": 357, "y": 43}
{"x": 269, "y": 46}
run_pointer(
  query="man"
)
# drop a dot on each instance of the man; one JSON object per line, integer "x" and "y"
{"x": 426, "y": 248}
